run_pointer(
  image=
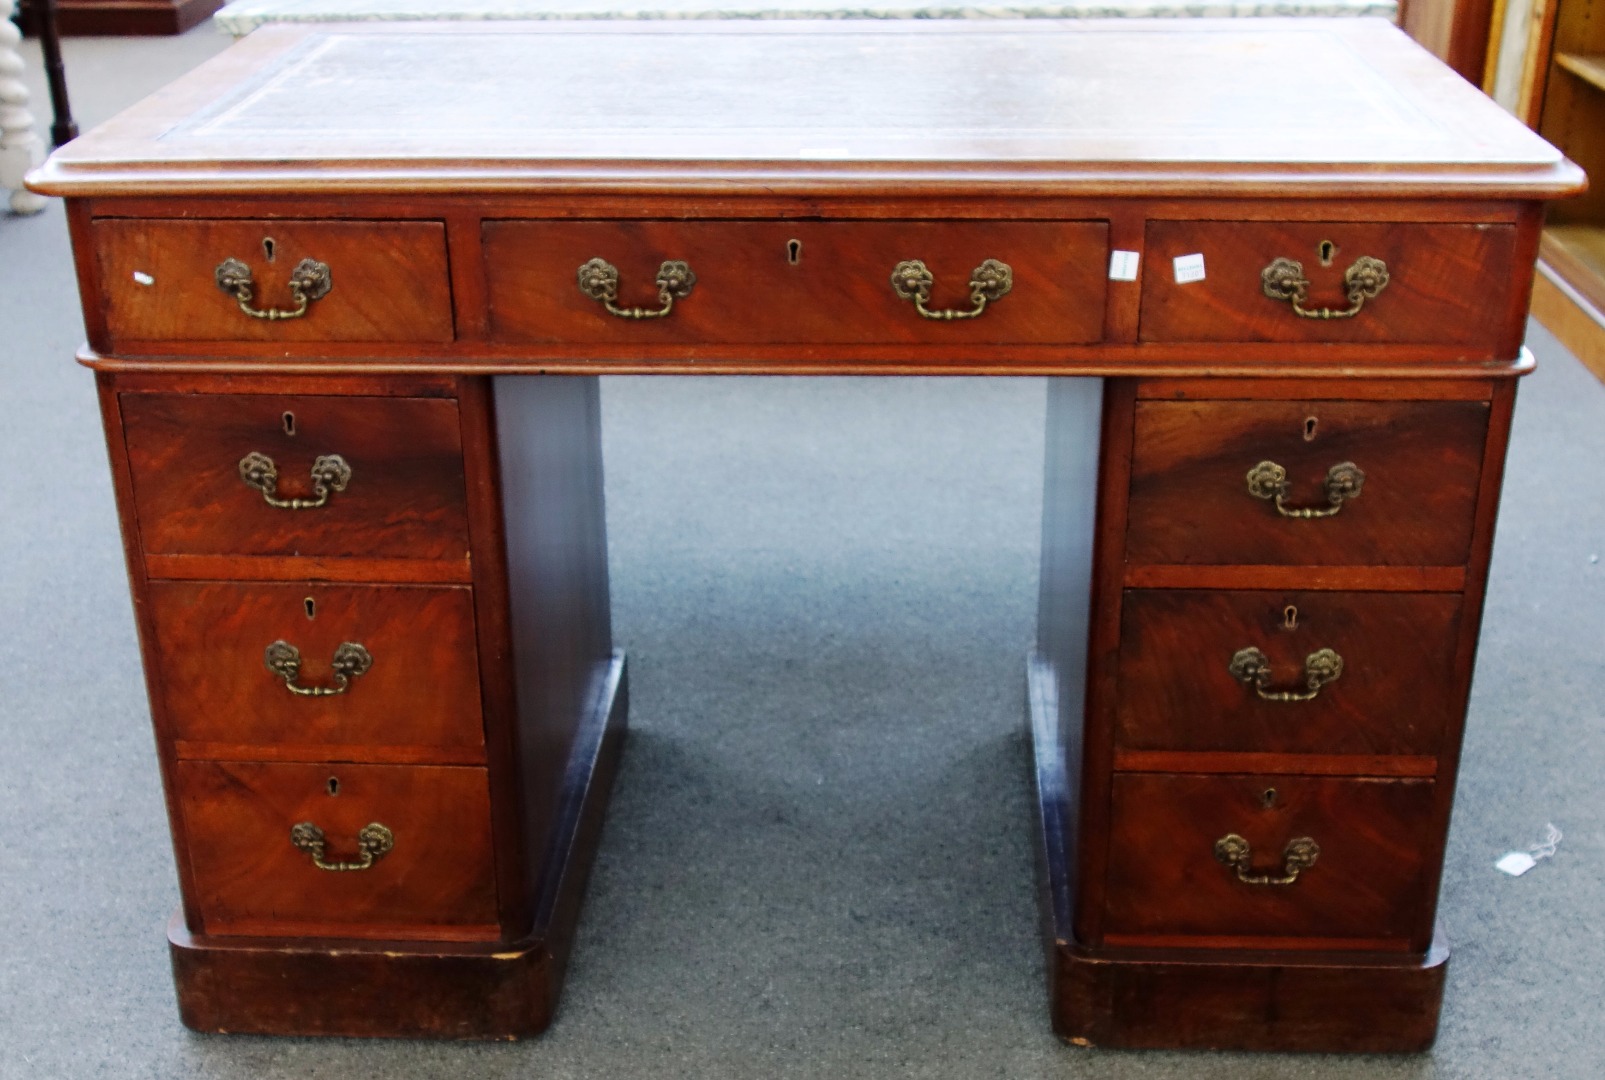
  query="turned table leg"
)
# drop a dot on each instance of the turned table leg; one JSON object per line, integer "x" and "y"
{"x": 20, "y": 146}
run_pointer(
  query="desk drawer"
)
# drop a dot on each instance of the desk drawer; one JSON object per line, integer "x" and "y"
{"x": 1444, "y": 282}
{"x": 435, "y": 880}
{"x": 1188, "y": 681}
{"x": 1364, "y": 888}
{"x": 405, "y": 496}
{"x": 1193, "y": 502}
{"x": 406, "y": 655}
{"x": 384, "y": 281}
{"x": 777, "y": 282}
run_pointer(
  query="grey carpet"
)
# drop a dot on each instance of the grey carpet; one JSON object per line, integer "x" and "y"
{"x": 818, "y": 858}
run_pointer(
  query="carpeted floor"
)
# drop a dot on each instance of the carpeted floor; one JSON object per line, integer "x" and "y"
{"x": 818, "y": 859}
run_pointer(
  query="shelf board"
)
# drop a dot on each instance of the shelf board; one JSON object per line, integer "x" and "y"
{"x": 1590, "y": 67}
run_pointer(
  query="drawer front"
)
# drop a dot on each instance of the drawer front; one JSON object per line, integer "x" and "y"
{"x": 404, "y": 655}
{"x": 1364, "y": 886}
{"x": 435, "y": 880}
{"x": 405, "y": 496}
{"x": 1192, "y": 503}
{"x": 1188, "y": 681}
{"x": 769, "y": 282}
{"x": 1442, "y": 282}
{"x": 386, "y": 281}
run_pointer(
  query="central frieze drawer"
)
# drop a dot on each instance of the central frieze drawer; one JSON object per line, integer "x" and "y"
{"x": 798, "y": 282}
{"x": 305, "y": 281}
{"x": 1305, "y": 483}
{"x": 275, "y": 670}
{"x": 213, "y": 475}
{"x": 1287, "y": 672}
{"x": 406, "y": 850}
{"x": 1379, "y": 282}
{"x": 1338, "y": 860}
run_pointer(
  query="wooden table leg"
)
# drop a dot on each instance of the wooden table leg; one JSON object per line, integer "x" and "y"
{"x": 20, "y": 146}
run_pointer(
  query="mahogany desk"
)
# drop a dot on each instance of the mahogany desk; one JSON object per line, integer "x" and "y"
{"x": 347, "y": 321}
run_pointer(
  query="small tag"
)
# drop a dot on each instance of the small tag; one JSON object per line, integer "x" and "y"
{"x": 1189, "y": 268}
{"x": 143, "y": 278}
{"x": 1123, "y": 265}
{"x": 1516, "y": 863}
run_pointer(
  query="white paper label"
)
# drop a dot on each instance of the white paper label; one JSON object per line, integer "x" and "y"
{"x": 143, "y": 278}
{"x": 1516, "y": 863}
{"x": 1123, "y": 265}
{"x": 1189, "y": 268}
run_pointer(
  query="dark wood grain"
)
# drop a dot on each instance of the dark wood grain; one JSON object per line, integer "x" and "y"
{"x": 1190, "y": 502}
{"x": 419, "y": 701}
{"x": 1165, "y": 882}
{"x": 388, "y": 280}
{"x": 1430, "y": 296}
{"x": 1398, "y": 693}
{"x": 405, "y": 498}
{"x": 436, "y": 884}
{"x": 838, "y": 291}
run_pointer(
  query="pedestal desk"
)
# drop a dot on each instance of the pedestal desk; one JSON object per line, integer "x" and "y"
{"x": 348, "y": 292}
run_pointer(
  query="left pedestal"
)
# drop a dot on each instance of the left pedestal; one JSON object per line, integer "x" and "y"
{"x": 374, "y": 617}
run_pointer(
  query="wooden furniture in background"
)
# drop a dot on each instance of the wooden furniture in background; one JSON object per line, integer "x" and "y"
{"x": 347, "y": 349}
{"x": 129, "y": 18}
{"x": 1547, "y": 66}
{"x": 1456, "y": 31}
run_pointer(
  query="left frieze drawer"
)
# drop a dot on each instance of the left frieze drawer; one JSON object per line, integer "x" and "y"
{"x": 273, "y": 281}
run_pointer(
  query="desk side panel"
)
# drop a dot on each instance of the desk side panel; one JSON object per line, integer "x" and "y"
{"x": 1068, "y": 589}
{"x": 548, "y": 431}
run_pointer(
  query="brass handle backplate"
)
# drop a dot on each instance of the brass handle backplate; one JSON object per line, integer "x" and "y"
{"x": 599, "y": 279}
{"x": 309, "y": 281}
{"x": 330, "y": 473}
{"x": 912, "y": 280}
{"x": 1268, "y": 480}
{"x": 373, "y": 843}
{"x": 350, "y": 660}
{"x": 1299, "y": 855}
{"x": 1251, "y": 668}
{"x": 1284, "y": 279}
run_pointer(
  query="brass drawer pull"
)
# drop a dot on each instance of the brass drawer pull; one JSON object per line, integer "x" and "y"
{"x": 1251, "y": 668}
{"x": 330, "y": 473}
{"x": 1284, "y": 279}
{"x": 350, "y": 660}
{"x": 373, "y": 843}
{"x": 1299, "y": 855}
{"x": 912, "y": 280}
{"x": 309, "y": 281}
{"x": 599, "y": 279}
{"x": 1268, "y": 480}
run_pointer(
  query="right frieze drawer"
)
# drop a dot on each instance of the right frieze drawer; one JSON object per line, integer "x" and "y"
{"x": 1329, "y": 282}
{"x": 1393, "y": 483}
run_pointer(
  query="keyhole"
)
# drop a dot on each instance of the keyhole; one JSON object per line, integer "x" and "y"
{"x": 1310, "y": 424}
{"x": 1268, "y": 799}
{"x": 289, "y": 423}
{"x": 268, "y": 247}
{"x": 312, "y": 607}
{"x": 1327, "y": 250}
{"x": 794, "y": 251}
{"x": 1289, "y": 617}
{"x": 333, "y": 785}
